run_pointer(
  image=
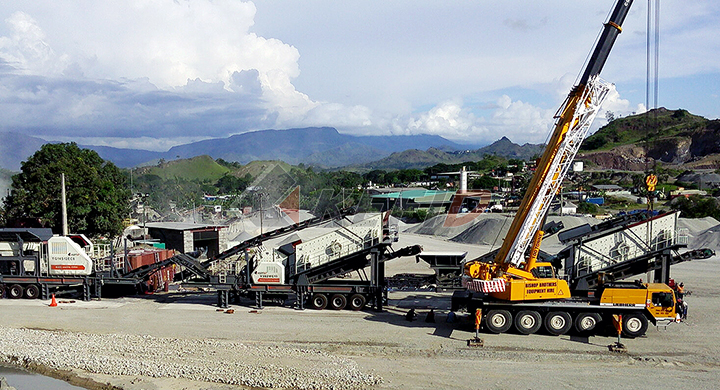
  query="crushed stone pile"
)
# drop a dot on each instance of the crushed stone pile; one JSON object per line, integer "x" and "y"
{"x": 442, "y": 226}
{"x": 252, "y": 365}
{"x": 702, "y": 232}
{"x": 490, "y": 229}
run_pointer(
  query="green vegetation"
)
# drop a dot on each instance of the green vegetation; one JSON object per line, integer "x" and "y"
{"x": 588, "y": 208}
{"x": 200, "y": 168}
{"x": 97, "y": 194}
{"x": 646, "y": 127}
{"x": 697, "y": 206}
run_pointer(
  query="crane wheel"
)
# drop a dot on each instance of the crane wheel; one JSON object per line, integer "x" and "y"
{"x": 527, "y": 321}
{"x": 357, "y": 302}
{"x": 558, "y": 323}
{"x": 586, "y": 322}
{"x": 337, "y": 302}
{"x": 498, "y": 321}
{"x": 318, "y": 301}
{"x": 634, "y": 324}
{"x": 32, "y": 291}
{"x": 15, "y": 291}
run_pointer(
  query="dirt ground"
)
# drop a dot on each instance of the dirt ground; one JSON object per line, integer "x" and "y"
{"x": 417, "y": 355}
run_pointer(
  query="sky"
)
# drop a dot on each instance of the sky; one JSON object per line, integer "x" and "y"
{"x": 154, "y": 74}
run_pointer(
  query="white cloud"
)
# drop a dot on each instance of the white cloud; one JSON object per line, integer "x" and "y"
{"x": 191, "y": 69}
{"x": 26, "y": 49}
{"x": 170, "y": 44}
{"x": 448, "y": 119}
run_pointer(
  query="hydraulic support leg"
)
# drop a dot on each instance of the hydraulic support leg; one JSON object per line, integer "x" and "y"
{"x": 223, "y": 298}
{"x": 377, "y": 278}
{"x": 44, "y": 291}
{"x": 98, "y": 288}
{"x": 86, "y": 290}
{"x": 299, "y": 300}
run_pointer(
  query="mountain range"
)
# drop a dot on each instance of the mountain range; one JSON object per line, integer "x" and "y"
{"x": 673, "y": 137}
{"x": 323, "y": 147}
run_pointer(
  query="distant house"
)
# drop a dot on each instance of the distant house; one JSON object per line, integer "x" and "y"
{"x": 610, "y": 189}
{"x": 567, "y": 208}
{"x": 704, "y": 181}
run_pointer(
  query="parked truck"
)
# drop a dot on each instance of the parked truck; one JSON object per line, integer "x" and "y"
{"x": 515, "y": 287}
{"x": 34, "y": 260}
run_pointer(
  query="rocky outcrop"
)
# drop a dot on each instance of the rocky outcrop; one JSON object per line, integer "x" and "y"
{"x": 678, "y": 150}
{"x": 626, "y": 157}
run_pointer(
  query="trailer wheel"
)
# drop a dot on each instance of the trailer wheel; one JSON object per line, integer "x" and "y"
{"x": 586, "y": 322}
{"x": 32, "y": 291}
{"x": 15, "y": 291}
{"x": 357, "y": 302}
{"x": 318, "y": 301}
{"x": 338, "y": 302}
{"x": 558, "y": 322}
{"x": 634, "y": 324}
{"x": 527, "y": 321}
{"x": 498, "y": 321}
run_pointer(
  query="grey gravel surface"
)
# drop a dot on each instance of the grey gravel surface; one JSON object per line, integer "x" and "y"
{"x": 180, "y": 341}
{"x": 268, "y": 366}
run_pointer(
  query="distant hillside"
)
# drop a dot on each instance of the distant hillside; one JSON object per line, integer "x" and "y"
{"x": 674, "y": 137}
{"x": 257, "y": 168}
{"x": 323, "y": 146}
{"x": 15, "y": 148}
{"x": 125, "y": 158}
{"x": 197, "y": 168}
{"x": 421, "y": 159}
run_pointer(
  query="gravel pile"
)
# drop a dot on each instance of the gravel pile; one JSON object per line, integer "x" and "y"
{"x": 210, "y": 360}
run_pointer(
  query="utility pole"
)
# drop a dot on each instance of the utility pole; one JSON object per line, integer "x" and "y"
{"x": 64, "y": 205}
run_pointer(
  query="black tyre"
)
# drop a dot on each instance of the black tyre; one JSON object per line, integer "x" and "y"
{"x": 318, "y": 301}
{"x": 634, "y": 324}
{"x": 32, "y": 291}
{"x": 357, "y": 302}
{"x": 586, "y": 322}
{"x": 337, "y": 302}
{"x": 15, "y": 291}
{"x": 558, "y": 322}
{"x": 527, "y": 321}
{"x": 498, "y": 321}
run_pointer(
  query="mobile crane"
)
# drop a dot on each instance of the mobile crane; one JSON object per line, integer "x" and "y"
{"x": 514, "y": 288}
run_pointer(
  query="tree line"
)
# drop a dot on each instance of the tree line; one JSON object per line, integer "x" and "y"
{"x": 99, "y": 195}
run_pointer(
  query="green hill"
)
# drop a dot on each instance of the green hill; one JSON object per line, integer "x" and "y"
{"x": 649, "y": 127}
{"x": 673, "y": 137}
{"x": 197, "y": 168}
